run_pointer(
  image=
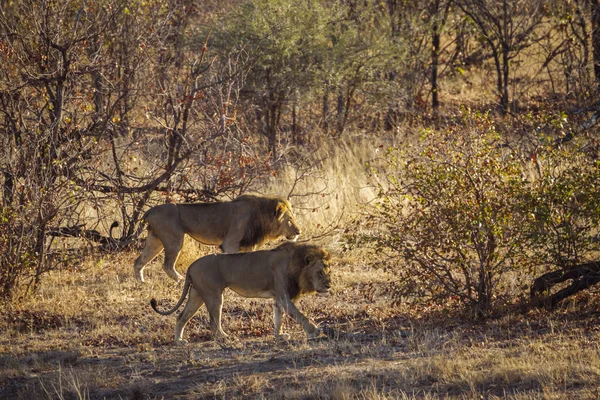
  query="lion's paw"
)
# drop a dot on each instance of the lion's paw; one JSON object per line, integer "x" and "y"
{"x": 175, "y": 276}
{"x": 282, "y": 337}
{"x": 315, "y": 334}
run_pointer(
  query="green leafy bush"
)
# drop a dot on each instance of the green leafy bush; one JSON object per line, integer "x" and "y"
{"x": 305, "y": 53}
{"x": 458, "y": 210}
{"x": 450, "y": 213}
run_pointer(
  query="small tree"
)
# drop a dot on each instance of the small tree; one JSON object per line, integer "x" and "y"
{"x": 300, "y": 51}
{"x": 87, "y": 90}
{"x": 438, "y": 11}
{"x": 49, "y": 139}
{"x": 507, "y": 27}
{"x": 451, "y": 211}
{"x": 283, "y": 39}
{"x": 566, "y": 205}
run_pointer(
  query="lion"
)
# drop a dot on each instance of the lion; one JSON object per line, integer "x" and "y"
{"x": 284, "y": 273}
{"x": 243, "y": 224}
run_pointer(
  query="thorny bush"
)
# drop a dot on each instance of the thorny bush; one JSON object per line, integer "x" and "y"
{"x": 17, "y": 255}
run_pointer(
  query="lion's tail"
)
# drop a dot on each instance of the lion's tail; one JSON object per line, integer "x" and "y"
{"x": 186, "y": 289}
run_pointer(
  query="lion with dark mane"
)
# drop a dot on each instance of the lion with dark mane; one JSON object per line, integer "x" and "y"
{"x": 284, "y": 273}
{"x": 242, "y": 224}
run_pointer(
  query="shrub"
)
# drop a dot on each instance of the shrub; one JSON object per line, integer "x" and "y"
{"x": 450, "y": 214}
{"x": 565, "y": 205}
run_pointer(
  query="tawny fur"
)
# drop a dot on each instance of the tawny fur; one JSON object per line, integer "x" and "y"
{"x": 285, "y": 273}
{"x": 239, "y": 225}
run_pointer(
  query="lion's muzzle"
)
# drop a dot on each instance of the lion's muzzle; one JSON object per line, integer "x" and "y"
{"x": 324, "y": 291}
{"x": 293, "y": 231}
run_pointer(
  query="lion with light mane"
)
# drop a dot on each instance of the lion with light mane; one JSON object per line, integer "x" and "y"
{"x": 242, "y": 224}
{"x": 284, "y": 273}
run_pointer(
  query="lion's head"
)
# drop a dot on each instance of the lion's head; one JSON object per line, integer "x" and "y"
{"x": 285, "y": 222}
{"x": 309, "y": 270}
{"x": 271, "y": 218}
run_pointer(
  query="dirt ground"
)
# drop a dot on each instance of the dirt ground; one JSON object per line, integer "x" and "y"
{"x": 508, "y": 358}
{"x": 248, "y": 367}
{"x": 90, "y": 334}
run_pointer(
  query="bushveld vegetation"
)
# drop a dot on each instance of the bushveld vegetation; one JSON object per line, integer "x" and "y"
{"x": 445, "y": 151}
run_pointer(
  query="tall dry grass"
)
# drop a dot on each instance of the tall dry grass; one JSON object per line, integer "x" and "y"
{"x": 328, "y": 185}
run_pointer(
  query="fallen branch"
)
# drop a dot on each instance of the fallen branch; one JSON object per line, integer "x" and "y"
{"x": 80, "y": 231}
{"x": 583, "y": 276}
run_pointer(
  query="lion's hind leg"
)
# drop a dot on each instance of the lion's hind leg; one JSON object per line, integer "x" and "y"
{"x": 152, "y": 247}
{"x": 214, "y": 304}
{"x": 172, "y": 249}
{"x": 194, "y": 302}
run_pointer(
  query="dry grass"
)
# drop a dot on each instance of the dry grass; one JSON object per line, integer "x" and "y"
{"x": 331, "y": 186}
{"x": 89, "y": 333}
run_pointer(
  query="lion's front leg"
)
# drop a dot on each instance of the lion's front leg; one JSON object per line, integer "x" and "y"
{"x": 290, "y": 308}
{"x": 230, "y": 245}
{"x": 278, "y": 320}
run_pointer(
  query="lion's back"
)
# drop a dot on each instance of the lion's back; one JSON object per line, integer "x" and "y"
{"x": 249, "y": 274}
{"x": 162, "y": 213}
{"x": 247, "y": 222}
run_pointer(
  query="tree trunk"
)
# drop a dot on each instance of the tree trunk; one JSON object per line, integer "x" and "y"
{"x": 295, "y": 137}
{"x": 325, "y": 117}
{"x": 272, "y": 125}
{"x": 435, "y": 56}
{"x": 505, "y": 58}
{"x": 504, "y": 99}
{"x": 8, "y": 188}
{"x": 340, "y": 111}
{"x": 40, "y": 252}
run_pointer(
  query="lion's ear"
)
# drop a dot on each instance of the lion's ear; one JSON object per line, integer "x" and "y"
{"x": 308, "y": 259}
{"x": 279, "y": 211}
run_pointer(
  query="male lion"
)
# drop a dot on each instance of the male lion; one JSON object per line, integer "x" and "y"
{"x": 242, "y": 224}
{"x": 284, "y": 273}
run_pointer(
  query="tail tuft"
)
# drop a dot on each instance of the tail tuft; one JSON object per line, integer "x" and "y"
{"x": 153, "y": 304}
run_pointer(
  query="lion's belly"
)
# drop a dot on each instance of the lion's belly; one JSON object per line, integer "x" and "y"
{"x": 259, "y": 294}
{"x": 210, "y": 240}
